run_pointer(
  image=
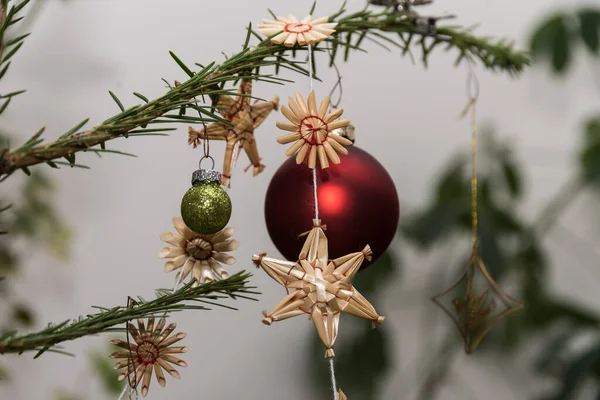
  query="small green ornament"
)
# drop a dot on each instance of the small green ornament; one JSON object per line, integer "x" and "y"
{"x": 206, "y": 207}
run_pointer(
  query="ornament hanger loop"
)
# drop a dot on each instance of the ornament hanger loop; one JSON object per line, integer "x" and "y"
{"x": 338, "y": 83}
{"x": 472, "y": 83}
{"x": 209, "y": 158}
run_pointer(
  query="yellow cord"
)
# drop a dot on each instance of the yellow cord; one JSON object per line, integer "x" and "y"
{"x": 474, "y": 168}
{"x": 473, "y": 93}
{"x": 472, "y": 107}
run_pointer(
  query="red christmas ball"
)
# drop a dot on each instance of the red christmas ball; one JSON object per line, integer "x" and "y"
{"x": 357, "y": 201}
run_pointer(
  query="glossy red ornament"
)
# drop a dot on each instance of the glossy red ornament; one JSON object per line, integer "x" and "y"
{"x": 357, "y": 201}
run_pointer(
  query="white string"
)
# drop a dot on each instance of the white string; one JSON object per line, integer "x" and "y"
{"x": 310, "y": 66}
{"x": 123, "y": 392}
{"x": 333, "y": 383}
{"x": 314, "y": 170}
{"x": 130, "y": 392}
{"x": 316, "y": 196}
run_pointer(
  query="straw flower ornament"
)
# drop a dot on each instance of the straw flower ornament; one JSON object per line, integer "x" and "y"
{"x": 197, "y": 254}
{"x": 151, "y": 351}
{"x": 311, "y": 129}
{"x": 290, "y": 31}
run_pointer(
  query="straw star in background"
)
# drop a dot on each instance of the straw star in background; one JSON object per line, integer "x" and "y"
{"x": 245, "y": 117}
{"x": 290, "y": 31}
{"x": 341, "y": 395}
{"x": 197, "y": 254}
{"x": 478, "y": 303}
{"x": 151, "y": 351}
{"x": 320, "y": 288}
{"x": 312, "y": 131}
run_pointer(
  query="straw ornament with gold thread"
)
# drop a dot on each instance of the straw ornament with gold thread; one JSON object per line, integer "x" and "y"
{"x": 480, "y": 303}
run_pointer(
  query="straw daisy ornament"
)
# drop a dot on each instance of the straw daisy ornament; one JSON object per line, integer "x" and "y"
{"x": 151, "y": 352}
{"x": 290, "y": 31}
{"x": 312, "y": 129}
{"x": 197, "y": 254}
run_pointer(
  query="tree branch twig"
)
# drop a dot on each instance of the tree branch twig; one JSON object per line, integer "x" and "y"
{"x": 210, "y": 80}
{"x": 107, "y": 319}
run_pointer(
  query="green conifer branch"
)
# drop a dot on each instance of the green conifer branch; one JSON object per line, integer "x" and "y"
{"x": 109, "y": 319}
{"x": 209, "y": 81}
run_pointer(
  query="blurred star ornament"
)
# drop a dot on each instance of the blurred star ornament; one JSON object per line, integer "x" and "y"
{"x": 289, "y": 31}
{"x": 358, "y": 202}
{"x": 152, "y": 351}
{"x": 206, "y": 207}
{"x": 197, "y": 254}
{"x": 341, "y": 395}
{"x": 245, "y": 117}
{"x": 312, "y": 131}
{"x": 476, "y": 310}
{"x": 320, "y": 288}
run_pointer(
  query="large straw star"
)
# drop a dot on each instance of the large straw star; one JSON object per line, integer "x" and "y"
{"x": 245, "y": 117}
{"x": 320, "y": 288}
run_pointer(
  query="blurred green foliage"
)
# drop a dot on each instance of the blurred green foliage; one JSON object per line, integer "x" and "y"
{"x": 590, "y": 153}
{"x": 28, "y": 219}
{"x": 557, "y": 36}
{"x": 102, "y": 367}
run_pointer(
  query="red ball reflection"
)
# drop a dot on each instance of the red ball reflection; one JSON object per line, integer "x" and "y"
{"x": 332, "y": 199}
{"x": 357, "y": 201}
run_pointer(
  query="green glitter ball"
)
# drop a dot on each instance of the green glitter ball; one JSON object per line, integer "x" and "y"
{"x": 206, "y": 207}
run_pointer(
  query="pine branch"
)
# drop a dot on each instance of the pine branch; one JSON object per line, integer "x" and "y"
{"x": 108, "y": 319}
{"x": 209, "y": 81}
{"x": 8, "y": 48}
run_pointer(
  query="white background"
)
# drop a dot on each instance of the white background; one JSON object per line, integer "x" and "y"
{"x": 405, "y": 115}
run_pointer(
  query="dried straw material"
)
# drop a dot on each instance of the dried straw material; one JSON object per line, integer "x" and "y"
{"x": 341, "y": 395}
{"x": 245, "y": 118}
{"x": 289, "y": 31}
{"x": 477, "y": 308}
{"x": 320, "y": 288}
{"x": 151, "y": 350}
{"x": 200, "y": 255}
{"x": 312, "y": 131}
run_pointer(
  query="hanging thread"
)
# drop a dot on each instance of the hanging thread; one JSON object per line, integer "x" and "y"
{"x": 333, "y": 383}
{"x": 131, "y": 384}
{"x": 314, "y": 170}
{"x": 316, "y": 198}
{"x": 473, "y": 93}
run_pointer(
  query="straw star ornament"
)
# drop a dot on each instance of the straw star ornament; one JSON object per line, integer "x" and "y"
{"x": 289, "y": 31}
{"x": 312, "y": 131}
{"x": 151, "y": 352}
{"x": 320, "y": 288}
{"x": 245, "y": 117}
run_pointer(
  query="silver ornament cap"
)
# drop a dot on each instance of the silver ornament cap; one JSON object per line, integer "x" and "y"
{"x": 345, "y": 132}
{"x": 210, "y": 175}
